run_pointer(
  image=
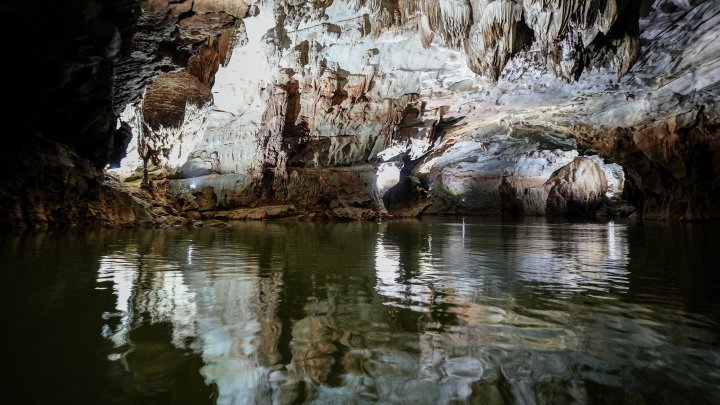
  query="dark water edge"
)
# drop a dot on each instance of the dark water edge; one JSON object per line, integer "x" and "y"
{"x": 439, "y": 310}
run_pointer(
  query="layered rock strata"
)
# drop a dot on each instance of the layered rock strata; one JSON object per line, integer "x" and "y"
{"x": 487, "y": 98}
{"x": 344, "y": 85}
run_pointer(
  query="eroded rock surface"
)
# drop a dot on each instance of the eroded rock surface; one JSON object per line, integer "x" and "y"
{"x": 172, "y": 35}
{"x": 576, "y": 189}
{"x": 672, "y": 164}
{"x": 476, "y": 90}
{"x": 59, "y": 187}
{"x": 488, "y": 97}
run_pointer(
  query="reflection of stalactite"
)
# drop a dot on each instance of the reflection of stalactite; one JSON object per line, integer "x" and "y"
{"x": 312, "y": 348}
{"x": 270, "y": 288}
{"x": 156, "y": 366}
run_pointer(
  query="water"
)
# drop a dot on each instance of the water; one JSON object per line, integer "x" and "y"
{"x": 436, "y": 311}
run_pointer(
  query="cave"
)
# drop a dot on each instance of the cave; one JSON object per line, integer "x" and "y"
{"x": 331, "y": 201}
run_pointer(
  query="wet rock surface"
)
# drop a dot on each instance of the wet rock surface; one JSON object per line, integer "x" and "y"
{"x": 63, "y": 189}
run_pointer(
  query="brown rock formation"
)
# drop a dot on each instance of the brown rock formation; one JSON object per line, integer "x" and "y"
{"x": 342, "y": 86}
{"x": 576, "y": 189}
{"x": 168, "y": 96}
{"x": 673, "y": 165}
{"x": 56, "y": 187}
{"x": 172, "y": 35}
{"x": 498, "y": 34}
{"x": 216, "y": 51}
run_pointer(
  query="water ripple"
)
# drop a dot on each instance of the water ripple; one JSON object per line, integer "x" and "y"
{"x": 434, "y": 311}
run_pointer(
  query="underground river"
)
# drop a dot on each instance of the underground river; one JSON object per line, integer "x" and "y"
{"x": 439, "y": 310}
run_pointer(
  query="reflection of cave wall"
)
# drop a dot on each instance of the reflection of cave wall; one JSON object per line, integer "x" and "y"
{"x": 427, "y": 309}
{"x": 432, "y": 309}
{"x": 461, "y": 306}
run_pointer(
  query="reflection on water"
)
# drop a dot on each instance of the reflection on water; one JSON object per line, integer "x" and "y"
{"x": 434, "y": 311}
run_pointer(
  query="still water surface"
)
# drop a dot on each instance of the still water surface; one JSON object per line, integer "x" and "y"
{"x": 436, "y": 311}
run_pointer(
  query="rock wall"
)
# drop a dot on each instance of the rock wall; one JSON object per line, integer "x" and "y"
{"x": 59, "y": 118}
{"x": 358, "y": 83}
{"x": 334, "y": 193}
{"x": 345, "y": 84}
{"x": 672, "y": 165}
{"x": 487, "y": 98}
{"x": 54, "y": 186}
{"x": 665, "y": 133}
{"x": 498, "y": 171}
{"x": 96, "y": 56}
{"x": 170, "y": 36}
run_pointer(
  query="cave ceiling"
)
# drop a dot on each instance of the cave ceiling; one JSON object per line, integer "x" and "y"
{"x": 304, "y": 102}
{"x": 397, "y": 69}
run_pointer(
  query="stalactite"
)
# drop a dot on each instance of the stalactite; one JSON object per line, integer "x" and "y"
{"x": 570, "y": 26}
{"x": 426, "y": 34}
{"x": 373, "y": 5}
{"x": 409, "y": 8}
{"x": 588, "y": 17}
{"x": 448, "y": 18}
{"x": 627, "y": 53}
{"x": 567, "y": 57}
{"x": 431, "y": 8}
{"x": 456, "y": 18}
{"x": 495, "y": 38}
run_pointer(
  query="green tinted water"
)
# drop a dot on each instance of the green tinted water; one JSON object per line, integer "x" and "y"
{"x": 441, "y": 310}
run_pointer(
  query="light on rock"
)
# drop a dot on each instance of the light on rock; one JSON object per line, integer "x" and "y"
{"x": 388, "y": 175}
